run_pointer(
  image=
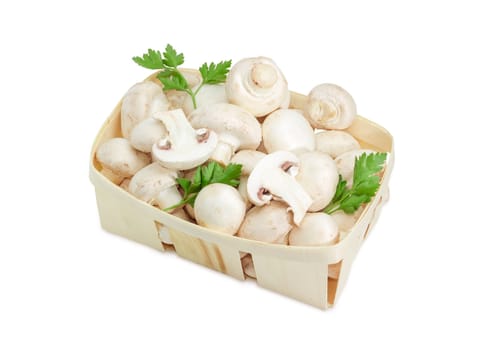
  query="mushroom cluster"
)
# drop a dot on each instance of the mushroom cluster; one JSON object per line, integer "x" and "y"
{"x": 291, "y": 159}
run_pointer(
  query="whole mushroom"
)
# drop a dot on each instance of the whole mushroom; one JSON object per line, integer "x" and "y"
{"x": 330, "y": 107}
{"x": 156, "y": 185}
{"x": 139, "y": 103}
{"x": 119, "y": 160}
{"x": 287, "y": 130}
{"x": 146, "y": 133}
{"x": 270, "y": 223}
{"x": 184, "y": 147}
{"x": 248, "y": 159}
{"x": 257, "y": 85}
{"x": 219, "y": 207}
{"x": 236, "y": 128}
{"x": 335, "y": 142}
{"x": 319, "y": 177}
{"x": 274, "y": 178}
{"x": 316, "y": 229}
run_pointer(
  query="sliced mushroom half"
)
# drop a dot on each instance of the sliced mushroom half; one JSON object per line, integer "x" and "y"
{"x": 184, "y": 147}
{"x": 274, "y": 178}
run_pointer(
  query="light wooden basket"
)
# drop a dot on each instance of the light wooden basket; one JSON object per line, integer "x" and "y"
{"x": 298, "y": 272}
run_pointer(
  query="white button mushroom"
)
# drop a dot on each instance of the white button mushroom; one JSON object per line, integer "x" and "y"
{"x": 257, "y": 85}
{"x": 146, "y": 133}
{"x": 335, "y": 142}
{"x": 273, "y": 177}
{"x": 287, "y": 130}
{"x": 155, "y": 184}
{"x": 219, "y": 207}
{"x": 319, "y": 177}
{"x": 184, "y": 147}
{"x": 316, "y": 229}
{"x": 330, "y": 107}
{"x": 248, "y": 266}
{"x": 270, "y": 223}
{"x": 119, "y": 160}
{"x": 248, "y": 159}
{"x": 207, "y": 95}
{"x": 139, "y": 103}
{"x": 236, "y": 128}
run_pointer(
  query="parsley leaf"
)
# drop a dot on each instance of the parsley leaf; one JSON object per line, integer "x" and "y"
{"x": 205, "y": 175}
{"x": 215, "y": 73}
{"x": 150, "y": 60}
{"x": 171, "y": 58}
{"x": 170, "y": 76}
{"x": 364, "y": 187}
{"x": 173, "y": 81}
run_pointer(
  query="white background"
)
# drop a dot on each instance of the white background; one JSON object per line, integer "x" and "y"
{"x": 424, "y": 278}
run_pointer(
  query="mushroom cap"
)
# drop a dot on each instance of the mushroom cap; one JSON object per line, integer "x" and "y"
{"x": 345, "y": 164}
{"x": 257, "y": 85}
{"x": 330, "y": 107}
{"x": 287, "y": 130}
{"x": 273, "y": 178}
{"x": 269, "y": 223}
{"x": 316, "y": 229}
{"x": 184, "y": 148}
{"x": 207, "y": 95}
{"x": 248, "y": 266}
{"x": 335, "y": 142}
{"x": 248, "y": 159}
{"x": 242, "y": 188}
{"x": 219, "y": 207}
{"x": 118, "y": 156}
{"x": 146, "y": 133}
{"x": 318, "y": 176}
{"x": 140, "y": 102}
{"x": 229, "y": 122}
{"x": 150, "y": 181}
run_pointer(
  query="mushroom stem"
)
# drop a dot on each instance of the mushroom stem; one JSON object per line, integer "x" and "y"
{"x": 223, "y": 153}
{"x": 297, "y": 198}
{"x": 263, "y": 75}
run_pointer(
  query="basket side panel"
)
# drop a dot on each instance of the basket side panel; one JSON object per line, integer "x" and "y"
{"x": 214, "y": 256}
{"x": 121, "y": 216}
{"x": 303, "y": 281}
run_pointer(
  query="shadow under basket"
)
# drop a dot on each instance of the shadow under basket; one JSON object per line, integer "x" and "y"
{"x": 297, "y": 272}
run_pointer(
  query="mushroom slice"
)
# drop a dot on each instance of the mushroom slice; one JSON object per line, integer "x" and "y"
{"x": 236, "y": 128}
{"x": 140, "y": 102}
{"x": 330, "y": 107}
{"x": 257, "y": 85}
{"x": 184, "y": 147}
{"x": 274, "y": 178}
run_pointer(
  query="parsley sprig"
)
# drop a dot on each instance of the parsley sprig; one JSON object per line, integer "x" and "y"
{"x": 205, "y": 175}
{"x": 365, "y": 183}
{"x": 170, "y": 76}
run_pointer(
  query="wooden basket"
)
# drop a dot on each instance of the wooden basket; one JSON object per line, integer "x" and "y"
{"x": 298, "y": 272}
